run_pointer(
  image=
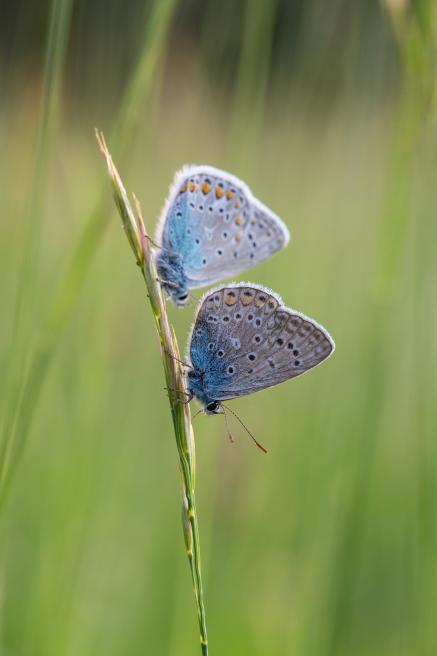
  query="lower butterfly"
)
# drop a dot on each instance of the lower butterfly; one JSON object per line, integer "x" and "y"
{"x": 211, "y": 228}
{"x": 244, "y": 340}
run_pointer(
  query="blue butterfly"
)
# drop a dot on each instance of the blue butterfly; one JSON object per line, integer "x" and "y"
{"x": 211, "y": 228}
{"x": 244, "y": 340}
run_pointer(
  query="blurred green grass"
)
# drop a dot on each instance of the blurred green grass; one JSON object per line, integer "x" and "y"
{"x": 327, "y": 545}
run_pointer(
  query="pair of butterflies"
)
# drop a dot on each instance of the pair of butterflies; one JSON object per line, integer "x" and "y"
{"x": 243, "y": 339}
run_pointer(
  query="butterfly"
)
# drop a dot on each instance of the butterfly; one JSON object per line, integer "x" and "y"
{"x": 244, "y": 340}
{"x": 211, "y": 228}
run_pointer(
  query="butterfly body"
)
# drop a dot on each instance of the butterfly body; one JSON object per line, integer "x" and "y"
{"x": 197, "y": 387}
{"x": 245, "y": 340}
{"x": 212, "y": 227}
{"x": 170, "y": 269}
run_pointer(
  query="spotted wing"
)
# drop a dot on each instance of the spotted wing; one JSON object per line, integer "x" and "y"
{"x": 253, "y": 341}
{"x": 214, "y": 222}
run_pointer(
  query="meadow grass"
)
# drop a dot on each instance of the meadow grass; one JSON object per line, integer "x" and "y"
{"x": 325, "y": 546}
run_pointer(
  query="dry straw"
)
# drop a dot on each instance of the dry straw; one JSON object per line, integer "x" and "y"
{"x": 140, "y": 243}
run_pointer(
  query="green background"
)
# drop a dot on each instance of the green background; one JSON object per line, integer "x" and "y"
{"x": 327, "y": 545}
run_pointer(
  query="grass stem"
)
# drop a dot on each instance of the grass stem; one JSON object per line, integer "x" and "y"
{"x": 174, "y": 378}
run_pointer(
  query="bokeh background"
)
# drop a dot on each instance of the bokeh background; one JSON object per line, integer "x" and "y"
{"x": 327, "y": 546}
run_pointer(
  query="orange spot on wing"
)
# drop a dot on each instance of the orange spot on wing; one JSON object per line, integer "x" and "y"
{"x": 230, "y": 298}
{"x": 183, "y": 188}
{"x": 219, "y": 192}
{"x": 229, "y": 195}
{"x": 239, "y": 220}
{"x": 238, "y": 236}
{"x": 237, "y": 203}
{"x": 192, "y": 186}
{"x": 206, "y": 188}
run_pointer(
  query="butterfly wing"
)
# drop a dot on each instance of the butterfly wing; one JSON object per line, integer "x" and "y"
{"x": 217, "y": 226}
{"x": 253, "y": 341}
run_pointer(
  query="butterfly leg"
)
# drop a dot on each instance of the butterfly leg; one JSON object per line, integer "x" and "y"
{"x": 173, "y": 357}
{"x": 175, "y": 392}
{"x": 154, "y": 244}
{"x": 167, "y": 282}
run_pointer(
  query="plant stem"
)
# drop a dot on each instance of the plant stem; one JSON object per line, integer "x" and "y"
{"x": 174, "y": 378}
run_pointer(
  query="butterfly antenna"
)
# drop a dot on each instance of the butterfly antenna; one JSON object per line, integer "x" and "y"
{"x": 231, "y": 437}
{"x": 258, "y": 444}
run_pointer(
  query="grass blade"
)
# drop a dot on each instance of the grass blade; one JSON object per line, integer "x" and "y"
{"x": 174, "y": 378}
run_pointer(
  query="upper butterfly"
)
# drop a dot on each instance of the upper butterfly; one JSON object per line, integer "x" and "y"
{"x": 211, "y": 228}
